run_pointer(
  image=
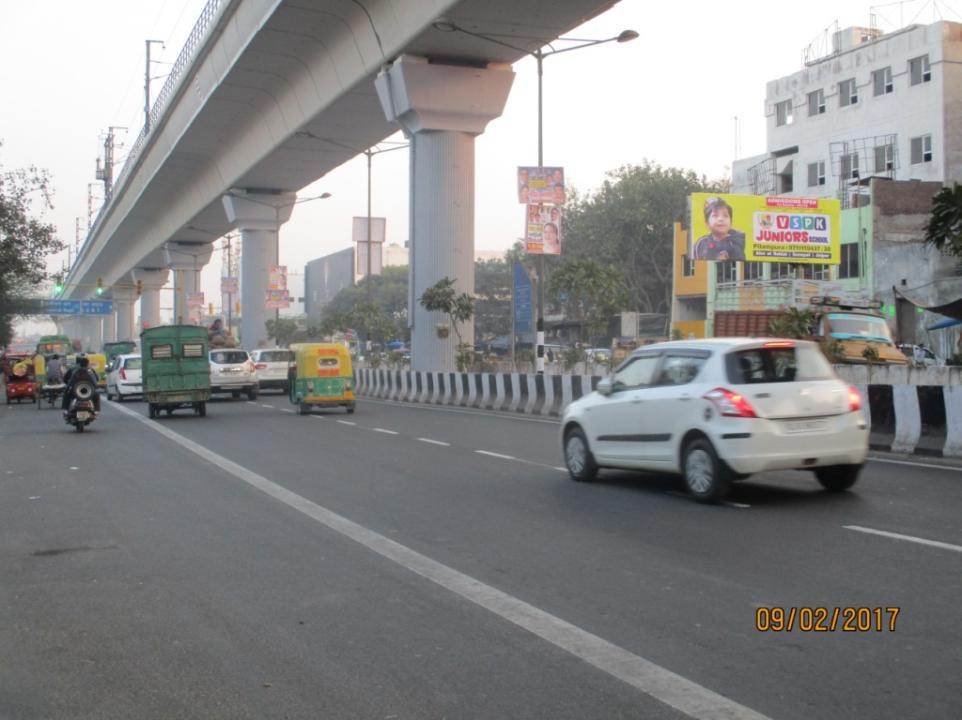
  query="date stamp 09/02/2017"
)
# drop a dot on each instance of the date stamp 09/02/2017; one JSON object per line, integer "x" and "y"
{"x": 826, "y": 619}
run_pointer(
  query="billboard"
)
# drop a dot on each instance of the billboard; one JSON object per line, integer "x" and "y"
{"x": 765, "y": 229}
{"x": 523, "y": 306}
{"x": 541, "y": 185}
{"x": 543, "y": 230}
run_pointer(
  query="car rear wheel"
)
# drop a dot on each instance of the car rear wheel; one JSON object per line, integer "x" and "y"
{"x": 252, "y": 393}
{"x": 303, "y": 408}
{"x": 578, "y": 458}
{"x": 837, "y": 478}
{"x": 151, "y": 411}
{"x": 706, "y": 477}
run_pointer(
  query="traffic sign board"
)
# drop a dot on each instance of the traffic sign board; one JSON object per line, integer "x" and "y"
{"x": 77, "y": 307}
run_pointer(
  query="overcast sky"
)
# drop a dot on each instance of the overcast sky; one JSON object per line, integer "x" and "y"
{"x": 70, "y": 69}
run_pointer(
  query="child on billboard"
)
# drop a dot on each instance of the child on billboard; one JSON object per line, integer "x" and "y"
{"x": 723, "y": 242}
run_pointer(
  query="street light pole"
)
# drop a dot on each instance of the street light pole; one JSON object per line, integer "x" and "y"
{"x": 539, "y": 328}
{"x": 370, "y": 239}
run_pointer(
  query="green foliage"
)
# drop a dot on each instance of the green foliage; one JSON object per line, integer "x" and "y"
{"x": 944, "y": 229}
{"x": 794, "y": 323}
{"x": 832, "y": 349}
{"x": 444, "y": 298}
{"x": 572, "y": 356}
{"x": 25, "y": 241}
{"x": 677, "y": 334}
{"x": 628, "y": 224}
{"x": 383, "y": 317}
{"x": 870, "y": 353}
{"x": 589, "y": 293}
{"x": 282, "y": 331}
{"x": 492, "y": 299}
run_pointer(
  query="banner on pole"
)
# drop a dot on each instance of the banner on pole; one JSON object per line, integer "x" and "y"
{"x": 229, "y": 286}
{"x": 541, "y": 185}
{"x": 543, "y": 230}
{"x": 522, "y": 299}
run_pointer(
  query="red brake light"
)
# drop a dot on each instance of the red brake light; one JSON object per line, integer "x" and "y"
{"x": 854, "y": 399}
{"x": 260, "y": 366}
{"x": 730, "y": 404}
{"x": 123, "y": 374}
{"x": 779, "y": 344}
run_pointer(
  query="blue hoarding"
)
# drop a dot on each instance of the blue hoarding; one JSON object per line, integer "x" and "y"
{"x": 522, "y": 299}
{"x": 78, "y": 307}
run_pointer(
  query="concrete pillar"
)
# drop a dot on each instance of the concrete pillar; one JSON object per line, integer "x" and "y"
{"x": 186, "y": 259}
{"x": 89, "y": 333}
{"x": 151, "y": 281}
{"x": 124, "y": 299}
{"x": 258, "y": 216}
{"x": 109, "y": 332}
{"x": 441, "y": 108}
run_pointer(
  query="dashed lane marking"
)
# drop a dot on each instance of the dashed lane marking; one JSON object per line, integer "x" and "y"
{"x": 906, "y": 538}
{"x": 494, "y": 454}
{"x": 435, "y": 442}
{"x": 269, "y": 407}
{"x": 385, "y": 431}
{"x": 286, "y": 410}
{"x": 657, "y": 682}
{"x": 346, "y": 422}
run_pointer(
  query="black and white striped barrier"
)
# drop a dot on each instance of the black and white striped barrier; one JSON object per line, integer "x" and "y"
{"x": 910, "y": 411}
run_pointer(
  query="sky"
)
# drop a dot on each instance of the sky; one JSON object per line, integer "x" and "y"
{"x": 69, "y": 69}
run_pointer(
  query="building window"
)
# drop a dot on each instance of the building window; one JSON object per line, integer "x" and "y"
{"x": 726, "y": 271}
{"x": 781, "y": 271}
{"x": 884, "y": 158}
{"x": 786, "y": 179}
{"x": 816, "y": 272}
{"x": 849, "y": 267}
{"x": 816, "y": 103}
{"x": 850, "y": 166}
{"x": 752, "y": 270}
{"x": 921, "y": 149}
{"x": 816, "y": 173}
{"x": 847, "y": 92}
{"x": 783, "y": 113}
{"x": 687, "y": 266}
{"x": 919, "y": 70}
{"x": 882, "y": 81}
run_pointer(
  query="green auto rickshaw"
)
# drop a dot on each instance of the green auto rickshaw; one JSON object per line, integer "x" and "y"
{"x": 321, "y": 377}
{"x": 175, "y": 368}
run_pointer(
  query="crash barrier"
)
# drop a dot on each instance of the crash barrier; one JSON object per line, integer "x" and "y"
{"x": 910, "y": 410}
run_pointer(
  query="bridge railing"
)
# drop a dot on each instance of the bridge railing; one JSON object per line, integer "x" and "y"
{"x": 184, "y": 60}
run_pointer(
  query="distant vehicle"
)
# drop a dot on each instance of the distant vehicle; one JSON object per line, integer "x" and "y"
{"x": 231, "y": 371}
{"x": 49, "y": 344}
{"x": 124, "y": 377}
{"x": 719, "y": 410}
{"x": 599, "y": 356}
{"x": 123, "y": 347}
{"x": 175, "y": 370}
{"x": 18, "y": 378}
{"x": 271, "y": 368}
{"x": 921, "y": 356}
{"x": 322, "y": 377}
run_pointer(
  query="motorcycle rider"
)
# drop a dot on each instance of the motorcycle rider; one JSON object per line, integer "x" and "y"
{"x": 80, "y": 372}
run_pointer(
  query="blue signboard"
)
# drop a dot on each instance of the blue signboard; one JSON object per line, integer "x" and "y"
{"x": 522, "y": 299}
{"x": 77, "y": 307}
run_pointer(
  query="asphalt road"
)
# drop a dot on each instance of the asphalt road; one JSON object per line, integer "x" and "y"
{"x": 423, "y": 562}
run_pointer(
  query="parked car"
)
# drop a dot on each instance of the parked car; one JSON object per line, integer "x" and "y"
{"x": 271, "y": 368}
{"x": 231, "y": 371}
{"x": 719, "y": 410}
{"x": 921, "y": 356}
{"x": 124, "y": 377}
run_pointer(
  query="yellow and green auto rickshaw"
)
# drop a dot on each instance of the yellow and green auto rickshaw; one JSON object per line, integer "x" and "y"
{"x": 98, "y": 363}
{"x": 321, "y": 377}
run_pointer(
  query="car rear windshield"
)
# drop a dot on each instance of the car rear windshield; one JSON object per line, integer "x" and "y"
{"x": 228, "y": 357}
{"x": 777, "y": 364}
{"x": 132, "y": 364}
{"x": 276, "y": 356}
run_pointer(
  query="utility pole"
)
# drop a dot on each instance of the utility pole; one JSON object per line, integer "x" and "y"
{"x": 90, "y": 205}
{"x": 147, "y": 84}
{"x": 106, "y": 173}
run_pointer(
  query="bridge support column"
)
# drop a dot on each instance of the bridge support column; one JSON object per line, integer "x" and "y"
{"x": 186, "y": 259}
{"x": 151, "y": 281}
{"x": 90, "y": 333}
{"x": 124, "y": 299}
{"x": 441, "y": 108}
{"x": 109, "y": 332}
{"x": 258, "y": 216}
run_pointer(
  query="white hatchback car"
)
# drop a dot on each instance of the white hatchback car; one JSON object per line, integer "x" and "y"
{"x": 719, "y": 410}
{"x": 124, "y": 377}
{"x": 271, "y": 368}
{"x": 231, "y": 371}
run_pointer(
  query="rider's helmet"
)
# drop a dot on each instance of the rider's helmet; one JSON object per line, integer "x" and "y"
{"x": 82, "y": 360}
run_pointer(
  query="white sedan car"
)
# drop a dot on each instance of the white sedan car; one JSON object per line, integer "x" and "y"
{"x": 124, "y": 377}
{"x": 272, "y": 367}
{"x": 719, "y": 410}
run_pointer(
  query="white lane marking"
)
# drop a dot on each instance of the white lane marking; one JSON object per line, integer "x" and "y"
{"x": 915, "y": 464}
{"x": 907, "y": 538}
{"x": 286, "y": 410}
{"x": 269, "y": 407}
{"x": 435, "y": 442}
{"x": 561, "y": 469}
{"x": 250, "y": 402}
{"x": 317, "y": 417}
{"x": 494, "y": 454}
{"x": 729, "y": 503}
{"x": 385, "y": 431}
{"x": 662, "y": 684}
{"x": 346, "y": 422}
{"x": 464, "y": 411}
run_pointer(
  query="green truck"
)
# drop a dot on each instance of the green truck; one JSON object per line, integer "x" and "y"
{"x": 176, "y": 369}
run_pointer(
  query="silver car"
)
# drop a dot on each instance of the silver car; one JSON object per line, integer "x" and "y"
{"x": 232, "y": 371}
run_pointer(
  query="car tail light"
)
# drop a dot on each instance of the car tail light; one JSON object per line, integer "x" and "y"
{"x": 260, "y": 366}
{"x": 854, "y": 399}
{"x": 779, "y": 344}
{"x": 123, "y": 374}
{"x": 730, "y": 404}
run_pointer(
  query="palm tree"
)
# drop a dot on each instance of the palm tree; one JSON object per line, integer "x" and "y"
{"x": 944, "y": 229}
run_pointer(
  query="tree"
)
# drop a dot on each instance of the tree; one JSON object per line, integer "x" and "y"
{"x": 492, "y": 296}
{"x": 794, "y": 323}
{"x": 590, "y": 293}
{"x": 388, "y": 292}
{"x": 944, "y": 229}
{"x": 283, "y": 331}
{"x": 628, "y": 224}
{"x": 443, "y": 297}
{"x": 25, "y": 241}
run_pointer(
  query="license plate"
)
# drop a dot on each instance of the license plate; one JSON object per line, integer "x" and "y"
{"x": 806, "y": 426}
{"x": 83, "y": 415}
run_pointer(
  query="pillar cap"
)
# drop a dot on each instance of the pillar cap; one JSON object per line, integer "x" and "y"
{"x": 184, "y": 255}
{"x": 253, "y": 210}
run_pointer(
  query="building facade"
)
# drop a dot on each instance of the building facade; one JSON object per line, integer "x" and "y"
{"x": 325, "y": 277}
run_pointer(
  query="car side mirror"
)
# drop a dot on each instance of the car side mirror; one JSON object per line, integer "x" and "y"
{"x": 605, "y": 386}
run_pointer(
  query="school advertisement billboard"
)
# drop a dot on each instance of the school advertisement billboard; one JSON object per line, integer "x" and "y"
{"x": 765, "y": 229}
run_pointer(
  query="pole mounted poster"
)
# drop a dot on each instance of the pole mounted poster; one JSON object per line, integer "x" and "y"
{"x": 522, "y": 299}
{"x": 541, "y": 185}
{"x": 765, "y": 229}
{"x": 277, "y": 296}
{"x": 229, "y": 286}
{"x": 359, "y": 236}
{"x": 543, "y": 230}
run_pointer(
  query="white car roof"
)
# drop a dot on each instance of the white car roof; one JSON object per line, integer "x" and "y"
{"x": 715, "y": 343}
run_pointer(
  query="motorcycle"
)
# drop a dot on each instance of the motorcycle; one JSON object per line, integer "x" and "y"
{"x": 81, "y": 410}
